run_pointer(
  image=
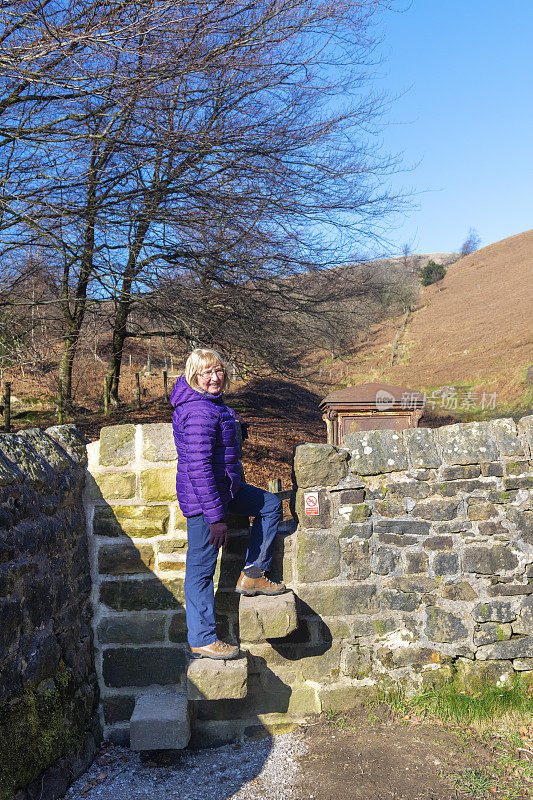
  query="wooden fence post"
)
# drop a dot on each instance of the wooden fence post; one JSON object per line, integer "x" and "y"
{"x": 274, "y": 485}
{"x": 7, "y": 407}
{"x": 165, "y": 385}
{"x": 60, "y": 404}
{"x": 138, "y": 389}
{"x": 106, "y": 396}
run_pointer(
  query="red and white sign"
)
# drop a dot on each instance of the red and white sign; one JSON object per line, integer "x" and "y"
{"x": 311, "y": 503}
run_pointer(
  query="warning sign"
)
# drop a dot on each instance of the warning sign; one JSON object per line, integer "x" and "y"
{"x": 311, "y": 503}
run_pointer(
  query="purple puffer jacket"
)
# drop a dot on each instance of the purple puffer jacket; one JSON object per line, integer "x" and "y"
{"x": 209, "y": 470}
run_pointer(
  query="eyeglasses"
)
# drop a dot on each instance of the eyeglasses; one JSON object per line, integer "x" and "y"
{"x": 208, "y": 373}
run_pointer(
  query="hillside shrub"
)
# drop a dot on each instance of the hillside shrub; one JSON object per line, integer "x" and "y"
{"x": 432, "y": 273}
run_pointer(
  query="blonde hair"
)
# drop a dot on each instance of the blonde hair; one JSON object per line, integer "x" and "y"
{"x": 202, "y": 358}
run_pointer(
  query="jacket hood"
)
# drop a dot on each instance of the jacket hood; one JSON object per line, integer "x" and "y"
{"x": 183, "y": 393}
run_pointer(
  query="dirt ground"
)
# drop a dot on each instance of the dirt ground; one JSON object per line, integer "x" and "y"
{"x": 361, "y": 755}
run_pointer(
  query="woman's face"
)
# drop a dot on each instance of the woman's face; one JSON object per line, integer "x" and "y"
{"x": 211, "y": 379}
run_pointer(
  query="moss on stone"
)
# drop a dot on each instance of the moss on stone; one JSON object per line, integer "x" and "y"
{"x": 36, "y": 730}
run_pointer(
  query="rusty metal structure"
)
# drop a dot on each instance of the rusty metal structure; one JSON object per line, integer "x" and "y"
{"x": 370, "y": 406}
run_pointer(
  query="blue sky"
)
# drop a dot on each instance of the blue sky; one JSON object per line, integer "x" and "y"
{"x": 463, "y": 118}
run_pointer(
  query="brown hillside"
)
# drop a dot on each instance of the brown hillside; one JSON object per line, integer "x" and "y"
{"x": 474, "y": 329}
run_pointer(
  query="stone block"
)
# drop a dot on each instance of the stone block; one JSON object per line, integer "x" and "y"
{"x": 158, "y": 485}
{"x": 436, "y": 679}
{"x": 442, "y": 626}
{"x": 488, "y": 560}
{"x": 134, "y": 521}
{"x": 112, "y": 486}
{"x": 22, "y": 458}
{"x": 319, "y": 465}
{"x": 492, "y": 529}
{"x": 318, "y": 557}
{"x": 494, "y": 611}
{"x": 362, "y": 531}
{"x": 158, "y": 442}
{"x": 397, "y": 539}
{"x": 438, "y": 543}
{"x": 458, "y": 591}
{"x": 453, "y": 526}
{"x": 413, "y": 583}
{"x": 416, "y": 562}
{"x": 384, "y": 560}
{"x": 525, "y": 433}
{"x": 490, "y": 632}
{"x": 264, "y": 617}
{"x": 474, "y": 677}
{"x": 459, "y": 473}
{"x": 513, "y": 648}
{"x": 322, "y": 519}
{"x": 356, "y": 555}
{"x": 208, "y": 679}
{"x": 525, "y": 620}
{"x": 374, "y": 452}
{"x": 343, "y": 697}
{"x": 351, "y": 496}
{"x": 516, "y": 468}
{"x": 149, "y": 593}
{"x": 321, "y": 663}
{"x": 436, "y": 509}
{"x": 118, "y": 708}
{"x": 446, "y": 563}
{"x": 160, "y": 722}
{"x": 173, "y": 562}
{"x": 143, "y": 666}
{"x": 479, "y": 509}
{"x": 132, "y": 629}
{"x": 459, "y": 488}
{"x": 505, "y": 435}
{"x": 467, "y": 443}
{"x": 177, "y": 631}
{"x": 355, "y": 514}
{"x": 341, "y": 600}
{"x": 71, "y": 440}
{"x": 399, "y": 601}
{"x": 357, "y": 662}
{"x": 492, "y": 469}
{"x": 518, "y": 482}
{"x": 421, "y": 448}
{"x": 509, "y": 589}
{"x": 48, "y": 449}
{"x": 389, "y": 508}
{"x": 125, "y": 558}
{"x": 117, "y": 445}
{"x": 401, "y": 527}
{"x": 176, "y": 545}
{"x": 412, "y": 489}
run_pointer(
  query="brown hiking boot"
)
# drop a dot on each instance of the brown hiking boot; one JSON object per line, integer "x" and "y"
{"x": 262, "y": 585}
{"x": 219, "y": 650}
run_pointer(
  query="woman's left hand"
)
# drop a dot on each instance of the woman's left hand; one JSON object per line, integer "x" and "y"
{"x": 218, "y": 534}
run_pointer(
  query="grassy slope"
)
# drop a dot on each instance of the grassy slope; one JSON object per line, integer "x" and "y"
{"x": 474, "y": 329}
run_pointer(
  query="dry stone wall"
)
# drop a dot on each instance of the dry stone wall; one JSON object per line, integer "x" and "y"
{"x": 416, "y": 570}
{"x": 48, "y": 688}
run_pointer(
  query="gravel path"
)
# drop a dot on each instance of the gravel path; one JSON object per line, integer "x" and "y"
{"x": 248, "y": 771}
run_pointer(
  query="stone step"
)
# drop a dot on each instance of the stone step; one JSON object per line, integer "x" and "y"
{"x": 210, "y": 679}
{"x": 262, "y": 617}
{"x": 160, "y": 722}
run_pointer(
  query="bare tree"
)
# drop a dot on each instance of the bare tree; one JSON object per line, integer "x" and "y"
{"x": 218, "y": 149}
{"x": 471, "y": 243}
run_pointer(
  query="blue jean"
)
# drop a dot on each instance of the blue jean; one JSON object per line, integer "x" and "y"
{"x": 266, "y": 509}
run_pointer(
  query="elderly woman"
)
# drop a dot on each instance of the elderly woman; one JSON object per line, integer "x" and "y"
{"x": 209, "y": 485}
